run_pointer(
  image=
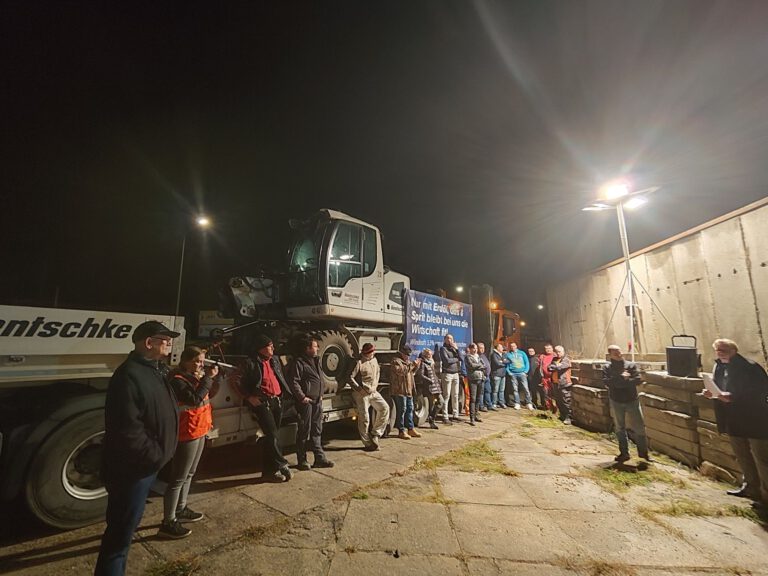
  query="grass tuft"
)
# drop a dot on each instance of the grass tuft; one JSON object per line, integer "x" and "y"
{"x": 616, "y": 480}
{"x": 360, "y": 495}
{"x": 476, "y": 456}
{"x": 698, "y": 509}
{"x": 594, "y": 567}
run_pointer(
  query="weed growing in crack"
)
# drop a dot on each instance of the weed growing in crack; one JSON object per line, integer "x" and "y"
{"x": 618, "y": 480}
{"x": 476, "y": 456}
{"x": 180, "y": 567}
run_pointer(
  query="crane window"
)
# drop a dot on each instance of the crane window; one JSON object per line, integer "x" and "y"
{"x": 509, "y": 326}
{"x": 369, "y": 251}
{"x": 344, "y": 259}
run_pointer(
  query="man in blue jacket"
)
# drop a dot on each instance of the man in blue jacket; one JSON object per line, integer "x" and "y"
{"x": 517, "y": 370}
{"x": 141, "y": 431}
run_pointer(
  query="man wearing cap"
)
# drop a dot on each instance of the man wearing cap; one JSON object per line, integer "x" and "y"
{"x": 263, "y": 384}
{"x": 306, "y": 385}
{"x": 142, "y": 425}
{"x": 364, "y": 381}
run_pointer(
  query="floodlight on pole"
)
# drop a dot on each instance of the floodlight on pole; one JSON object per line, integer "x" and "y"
{"x": 618, "y": 195}
{"x": 459, "y": 289}
{"x": 203, "y": 222}
{"x": 540, "y": 306}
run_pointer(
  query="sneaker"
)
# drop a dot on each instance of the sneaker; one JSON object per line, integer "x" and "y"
{"x": 472, "y": 423}
{"x": 413, "y": 433}
{"x": 622, "y": 458}
{"x": 477, "y": 419}
{"x": 567, "y": 422}
{"x": 371, "y": 447}
{"x": 457, "y": 419}
{"x": 531, "y": 407}
{"x": 403, "y": 435}
{"x": 189, "y": 515}
{"x": 446, "y": 421}
{"x": 304, "y": 466}
{"x": 517, "y": 406}
{"x": 503, "y": 406}
{"x": 275, "y": 477}
{"x": 493, "y": 409}
{"x": 173, "y": 529}
{"x": 323, "y": 463}
{"x": 375, "y": 440}
{"x": 433, "y": 426}
{"x": 286, "y": 472}
{"x": 483, "y": 409}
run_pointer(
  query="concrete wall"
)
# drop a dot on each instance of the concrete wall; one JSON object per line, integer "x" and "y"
{"x": 709, "y": 282}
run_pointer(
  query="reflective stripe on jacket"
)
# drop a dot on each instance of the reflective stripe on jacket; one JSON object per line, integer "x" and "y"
{"x": 195, "y": 420}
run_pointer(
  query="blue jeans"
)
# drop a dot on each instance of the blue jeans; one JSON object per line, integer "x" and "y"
{"x": 629, "y": 415}
{"x": 497, "y": 394}
{"x": 403, "y": 412}
{"x": 125, "y": 507}
{"x": 486, "y": 394}
{"x": 520, "y": 379}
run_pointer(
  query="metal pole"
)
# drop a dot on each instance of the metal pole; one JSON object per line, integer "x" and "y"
{"x": 181, "y": 272}
{"x": 628, "y": 282}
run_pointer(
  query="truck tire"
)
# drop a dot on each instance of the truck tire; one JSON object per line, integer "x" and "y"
{"x": 63, "y": 486}
{"x": 335, "y": 354}
{"x": 420, "y": 409}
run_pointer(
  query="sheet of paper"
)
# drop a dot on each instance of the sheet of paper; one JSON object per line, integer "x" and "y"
{"x": 710, "y": 385}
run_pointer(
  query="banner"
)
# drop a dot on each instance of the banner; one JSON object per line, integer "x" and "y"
{"x": 428, "y": 318}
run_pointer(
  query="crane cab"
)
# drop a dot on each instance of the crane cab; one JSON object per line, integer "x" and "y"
{"x": 336, "y": 271}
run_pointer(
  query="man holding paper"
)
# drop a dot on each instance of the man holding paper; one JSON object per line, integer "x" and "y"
{"x": 742, "y": 413}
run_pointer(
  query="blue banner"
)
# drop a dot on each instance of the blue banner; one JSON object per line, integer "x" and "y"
{"x": 428, "y": 318}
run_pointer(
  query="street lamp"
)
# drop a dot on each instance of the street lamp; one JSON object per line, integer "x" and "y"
{"x": 540, "y": 307}
{"x": 202, "y": 222}
{"x": 459, "y": 289}
{"x": 619, "y": 195}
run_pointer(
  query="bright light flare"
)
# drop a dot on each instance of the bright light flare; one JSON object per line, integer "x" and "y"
{"x": 615, "y": 190}
{"x": 203, "y": 221}
{"x": 635, "y": 202}
{"x": 596, "y": 207}
{"x": 459, "y": 289}
{"x": 494, "y": 305}
{"x": 522, "y": 322}
{"x": 540, "y": 306}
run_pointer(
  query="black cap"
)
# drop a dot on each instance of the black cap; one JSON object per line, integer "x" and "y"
{"x": 152, "y": 328}
{"x": 261, "y": 341}
{"x": 407, "y": 350}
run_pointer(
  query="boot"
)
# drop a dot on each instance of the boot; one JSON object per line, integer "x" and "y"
{"x": 432, "y": 424}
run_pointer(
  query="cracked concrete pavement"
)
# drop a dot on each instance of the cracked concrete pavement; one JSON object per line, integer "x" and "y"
{"x": 387, "y": 513}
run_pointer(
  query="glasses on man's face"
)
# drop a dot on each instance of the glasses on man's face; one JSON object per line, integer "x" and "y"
{"x": 164, "y": 340}
{"x": 723, "y": 350}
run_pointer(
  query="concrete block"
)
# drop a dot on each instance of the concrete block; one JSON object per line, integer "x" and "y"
{"x": 676, "y": 419}
{"x": 663, "y": 379}
{"x": 248, "y": 559}
{"x": 386, "y": 564}
{"x": 385, "y": 525}
{"x": 496, "y": 567}
{"x": 508, "y": 533}
{"x": 666, "y": 404}
{"x": 567, "y": 493}
{"x": 588, "y": 391}
{"x": 532, "y": 463}
{"x": 474, "y": 488}
{"x": 305, "y": 491}
{"x": 712, "y": 470}
{"x": 711, "y": 439}
{"x": 678, "y": 432}
{"x": 705, "y": 407}
{"x": 687, "y": 458}
{"x": 667, "y": 392}
{"x": 720, "y": 458}
{"x": 689, "y": 446}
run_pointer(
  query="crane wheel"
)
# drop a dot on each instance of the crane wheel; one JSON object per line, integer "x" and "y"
{"x": 336, "y": 353}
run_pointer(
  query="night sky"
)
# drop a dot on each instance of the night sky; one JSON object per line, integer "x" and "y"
{"x": 470, "y": 133}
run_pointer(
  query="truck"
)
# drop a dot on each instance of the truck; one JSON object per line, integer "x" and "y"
{"x": 55, "y": 364}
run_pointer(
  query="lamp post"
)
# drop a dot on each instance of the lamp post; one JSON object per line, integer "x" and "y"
{"x": 202, "y": 222}
{"x": 619, "y": 195}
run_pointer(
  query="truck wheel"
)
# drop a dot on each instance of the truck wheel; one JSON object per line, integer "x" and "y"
{"x": 335, "y": 354}
{"x": 64, "y": 487}
{"x": 420, "y": 409}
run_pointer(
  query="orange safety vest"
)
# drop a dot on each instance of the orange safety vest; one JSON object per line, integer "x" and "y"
{"x": 194, "y": 421}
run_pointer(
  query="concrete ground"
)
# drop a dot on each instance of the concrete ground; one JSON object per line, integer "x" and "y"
{"x": 518, "y": 494}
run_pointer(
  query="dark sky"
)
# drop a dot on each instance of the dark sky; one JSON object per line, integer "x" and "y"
{"x": 471, "y": 133}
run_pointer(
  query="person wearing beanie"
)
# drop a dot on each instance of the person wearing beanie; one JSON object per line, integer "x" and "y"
{"x": 263, "y": 384}
{"x": 364, "y": 381}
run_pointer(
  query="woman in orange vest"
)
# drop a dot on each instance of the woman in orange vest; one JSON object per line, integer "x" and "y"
{"x": 193, "y": 383}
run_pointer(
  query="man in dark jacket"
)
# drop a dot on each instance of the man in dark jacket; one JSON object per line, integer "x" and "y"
{"x": 621, "y": 377}
{"x": 499, "y": 376}
{"x": 534, "y": 380}
{"x": 450, "y": 366}
{"x": 485, "y": 405}
{"x": 306, "y": 385}
{"x": 142, "y": 427}
{"x": 560, "y": 372}
{"x": 263, "y": 382}
{"x": 742, "y": 413}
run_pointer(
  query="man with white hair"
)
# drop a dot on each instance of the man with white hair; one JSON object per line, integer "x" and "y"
{"x": 742, "y": 413}
{"x": 560, "y": 371}
{"x": 621, "y": 378}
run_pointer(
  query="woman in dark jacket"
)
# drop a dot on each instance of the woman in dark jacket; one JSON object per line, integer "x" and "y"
{"x": 429, "y": 385}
